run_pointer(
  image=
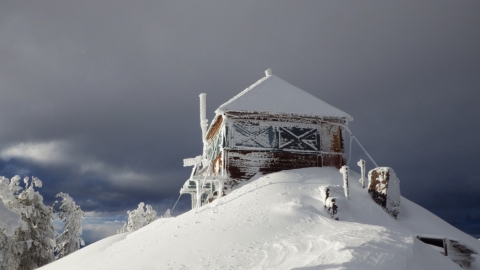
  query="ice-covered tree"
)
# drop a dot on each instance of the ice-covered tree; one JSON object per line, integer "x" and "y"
{"x": 70, "y": 239}
{"x": 139, "y": 217}
{"x": 150, "y": 214}
{"x": 27, "y": 236}
{"x": 32, "y": 244}
{"x": 167, "y": 214}
{"x": 37, "y": 240}
{"x": 11, "y": 220}
{"x": 123, "y": 229}
{"x": 136, "y": 218}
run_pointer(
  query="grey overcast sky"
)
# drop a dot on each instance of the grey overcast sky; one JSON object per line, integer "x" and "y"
{"x": 99, "y": 99}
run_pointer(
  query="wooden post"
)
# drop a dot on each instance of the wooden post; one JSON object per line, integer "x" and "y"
{"x": 344, "y": 171}
{"x": 445, "y": 251}
{"x": 199, "y": 195}
{"x": 361, "y": 163}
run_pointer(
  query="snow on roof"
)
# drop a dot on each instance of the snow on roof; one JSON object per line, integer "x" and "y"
{"x": 274, "y": 95}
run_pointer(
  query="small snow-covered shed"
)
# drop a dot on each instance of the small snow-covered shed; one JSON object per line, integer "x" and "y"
{"x": 270, "y": 126}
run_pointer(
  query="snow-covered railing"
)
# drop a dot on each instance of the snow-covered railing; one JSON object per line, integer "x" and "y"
{"x": 187, "y": 162}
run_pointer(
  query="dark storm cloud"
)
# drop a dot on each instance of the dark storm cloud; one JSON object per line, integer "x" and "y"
{"x": 100, "y": 98}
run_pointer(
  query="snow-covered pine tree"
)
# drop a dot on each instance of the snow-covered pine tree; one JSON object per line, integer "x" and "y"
{"x": 11, "y": 221}
{"x": 70, "y": 239}
{"x": 139, "y": 217}
{"x": 136, "y": 218}
{"x": 36, "y": 241}
{"x": 167, "y": 214}
{"x": 150, "y": 214}
{"x": 124, "y": 228}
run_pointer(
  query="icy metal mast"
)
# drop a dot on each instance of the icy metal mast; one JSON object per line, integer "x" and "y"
{"x": 204, "y": 126}
{"x": 204, "y": 122}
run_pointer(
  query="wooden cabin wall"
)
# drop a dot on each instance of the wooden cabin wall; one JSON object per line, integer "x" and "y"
{"x": 243, "y": 164}
{"x": 332, "y": 145}
{"x": 259, "y": 143}
{"x": 331, "y": 138}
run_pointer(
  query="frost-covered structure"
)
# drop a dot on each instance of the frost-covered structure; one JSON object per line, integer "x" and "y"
{"x": 270, "y": 126}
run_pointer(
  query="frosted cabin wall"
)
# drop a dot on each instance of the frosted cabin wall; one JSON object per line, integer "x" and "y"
{"x": 259, "y": 143}
{"x": 243, "y": 164}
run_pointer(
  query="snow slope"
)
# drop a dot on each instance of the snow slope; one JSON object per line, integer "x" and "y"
{"x": 278, "y": 222}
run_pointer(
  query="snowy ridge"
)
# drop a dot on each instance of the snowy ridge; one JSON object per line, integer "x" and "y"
{"x": 274, "y": 95}
{"x": 278, "y": 221}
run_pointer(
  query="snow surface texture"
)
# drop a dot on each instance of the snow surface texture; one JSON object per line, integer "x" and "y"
{"x": 278, "y": 221}
{"x": 271, "y": 93}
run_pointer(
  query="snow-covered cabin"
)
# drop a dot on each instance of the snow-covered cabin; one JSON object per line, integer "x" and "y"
{"x": 270, "y": 126}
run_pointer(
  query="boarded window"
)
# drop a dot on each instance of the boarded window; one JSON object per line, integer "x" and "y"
{"x": 297, "y": 138}
{"x": 252, "y": 135}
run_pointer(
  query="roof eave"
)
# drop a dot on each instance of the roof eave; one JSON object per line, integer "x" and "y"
{"x": 346, "y": 117}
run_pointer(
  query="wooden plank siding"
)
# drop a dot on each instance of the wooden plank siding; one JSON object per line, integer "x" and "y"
{"x": 244, "y": 164}
{"x": 333, "y": 160}
{"x": 214, "y": 128}
{"x": 264, "y": 143}
{"x": 277, "y": 117}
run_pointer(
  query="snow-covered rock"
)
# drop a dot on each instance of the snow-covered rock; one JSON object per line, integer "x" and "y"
{"x": 384, "y": 188}
{"x": 278, "y": 221}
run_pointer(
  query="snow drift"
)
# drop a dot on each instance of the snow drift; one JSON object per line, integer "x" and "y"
{"x": 278, "y": 221}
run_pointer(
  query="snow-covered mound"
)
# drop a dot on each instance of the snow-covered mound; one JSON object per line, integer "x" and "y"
{"x": 279, "y": 222}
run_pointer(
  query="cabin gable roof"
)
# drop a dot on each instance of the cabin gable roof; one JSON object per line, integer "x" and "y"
{"x": 274, "y": 95}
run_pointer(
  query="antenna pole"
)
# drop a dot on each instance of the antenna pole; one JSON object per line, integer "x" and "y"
{"x": 204, "y": 122}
